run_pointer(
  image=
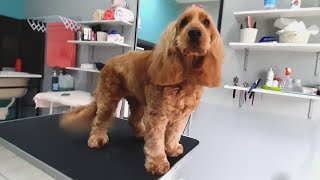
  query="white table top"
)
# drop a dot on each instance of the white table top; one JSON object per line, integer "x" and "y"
{"x": 5, "y": 74}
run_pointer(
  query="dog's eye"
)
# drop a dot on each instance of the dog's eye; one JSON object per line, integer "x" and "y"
{"x": 206, "y": 22}
{"x": 184, "y": 22}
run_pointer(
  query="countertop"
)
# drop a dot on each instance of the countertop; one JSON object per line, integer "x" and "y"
{"x": 18, "y": 75}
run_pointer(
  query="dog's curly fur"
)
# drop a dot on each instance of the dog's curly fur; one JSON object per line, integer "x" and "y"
{"x": 162, "y": 87}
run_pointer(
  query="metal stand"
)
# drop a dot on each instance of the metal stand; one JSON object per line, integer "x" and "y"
{"x": 241, "y": 98}
{"x": 310, "y": 110}
{"x": 245, "y": 63}
{"x": 242, "y": 101}
{"x": 316, "y": 71}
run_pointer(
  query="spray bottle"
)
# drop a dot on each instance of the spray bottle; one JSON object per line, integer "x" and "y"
{"x": 55, "y": 81}
{"x": 270, "y": 77}
{"x": 286, "y": 83}
{"x": 295, "y": 4}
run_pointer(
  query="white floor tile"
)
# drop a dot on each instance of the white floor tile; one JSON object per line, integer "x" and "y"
{"x": 13, "y": 167}
{"x": 3, "y": 177}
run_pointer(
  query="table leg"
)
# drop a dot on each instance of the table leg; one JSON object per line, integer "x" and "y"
{"x": 51, "y": 108}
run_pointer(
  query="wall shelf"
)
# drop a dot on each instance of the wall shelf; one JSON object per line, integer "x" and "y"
{"x": 99, "y": 43}
{"x": 279, "y": 93}
{"x": 286, "y": 47}
{"x": 140, "y": 49}
{"x": 242, "y": 90}
{"x": 276, "y": 47}
{"x": 276, "y": 13}
{"x": 83, "y": 69}
{"x": 106, "y": 22}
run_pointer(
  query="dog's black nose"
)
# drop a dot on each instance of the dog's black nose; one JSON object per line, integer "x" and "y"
{"x": 194, "y": 34}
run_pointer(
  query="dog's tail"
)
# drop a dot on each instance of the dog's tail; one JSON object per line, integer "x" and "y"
{"x": 80, "y": 119}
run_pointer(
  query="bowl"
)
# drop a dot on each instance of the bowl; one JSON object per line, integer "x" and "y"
{"x": 294, "y": 37}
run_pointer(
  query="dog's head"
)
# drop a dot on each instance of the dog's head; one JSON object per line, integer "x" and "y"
{"x": 190, "y": 48}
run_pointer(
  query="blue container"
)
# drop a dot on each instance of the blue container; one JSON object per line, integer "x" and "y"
{"x": 270, "y": 4}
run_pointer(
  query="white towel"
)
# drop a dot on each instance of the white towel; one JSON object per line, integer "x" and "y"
{"x": 119, "y": 3}
{"x": 98, "y": 15}
{"x": 122, "y": 14}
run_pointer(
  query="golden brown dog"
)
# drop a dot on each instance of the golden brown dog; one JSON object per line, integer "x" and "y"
{"x": 162, "y": 87}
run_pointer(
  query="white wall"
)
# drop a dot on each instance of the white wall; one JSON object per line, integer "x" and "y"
{"x": 271, "y": 139}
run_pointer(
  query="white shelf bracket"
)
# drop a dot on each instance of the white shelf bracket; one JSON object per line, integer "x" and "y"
{"x": 246, "y": 56}
{"x": 316, "y": 71}
{"x": 310, "y": 110}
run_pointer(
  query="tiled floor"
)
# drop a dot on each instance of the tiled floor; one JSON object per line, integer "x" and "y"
{"x": 13, "y": 167}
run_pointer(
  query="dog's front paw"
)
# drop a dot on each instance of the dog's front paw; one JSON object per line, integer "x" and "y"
{"x": 98, "y": 141}
{"x": 158, "y": 167}
{"x": 176, "y": 151}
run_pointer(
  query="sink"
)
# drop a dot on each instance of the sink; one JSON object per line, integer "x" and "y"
{"x": 7, "y": 93}
{"x": 14, "y": 84}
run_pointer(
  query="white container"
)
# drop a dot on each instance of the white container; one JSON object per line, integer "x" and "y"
{"x": 66, "y": 83}
{"x": 102, "y": 36}
{"x": 295, "y": 4}
{"x": 8, "y": 69}
{"x": 275, "y": 83}
{"x": 87, "y": 34}
{"x": 294, "y": 37}
{"x": 116, "y": 38}
{"x": 270, "y": 77}
{"x": 248, "y": 35}
{"x": 87, "y": 66}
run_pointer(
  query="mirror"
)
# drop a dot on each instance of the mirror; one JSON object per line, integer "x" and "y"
{"x": 155, "y": 15}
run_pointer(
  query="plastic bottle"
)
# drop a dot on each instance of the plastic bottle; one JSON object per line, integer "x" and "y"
{"x": 275, "y": 83}
{"x": 69, "y": 82}
{"x": 286, "y": 83}
{"x": 270, "y": 77}
{"x": 61, "y": 81}
{"x": 295, "y": 4}
{"x": 18, "y": 65}
{"x": 55, "y": 81}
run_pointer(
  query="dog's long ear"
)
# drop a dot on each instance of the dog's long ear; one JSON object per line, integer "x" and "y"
{"x": 206, "y": 71}
{"x": 166, "y": 66}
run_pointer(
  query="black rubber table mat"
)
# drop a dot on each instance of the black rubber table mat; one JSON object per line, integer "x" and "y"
{"x": 121, "y": 159}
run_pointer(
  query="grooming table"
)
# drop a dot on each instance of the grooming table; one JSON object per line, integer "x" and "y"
{"x": 61, "y": 155}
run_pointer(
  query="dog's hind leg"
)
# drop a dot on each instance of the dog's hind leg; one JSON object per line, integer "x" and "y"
{"x": 136, "y": 117}
{"x": 108, "y": 96}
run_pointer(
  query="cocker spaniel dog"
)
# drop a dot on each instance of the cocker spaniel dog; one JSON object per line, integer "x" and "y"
{"x": 162, "y": 87}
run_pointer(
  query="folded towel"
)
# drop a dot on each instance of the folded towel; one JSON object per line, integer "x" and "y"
{"x": 60, "y": 53}
{"x": 109, "y": 14}
{"x": 115, "y": 38}
{"x": 123, "y": 14}
{"x": 98, "y": 15}
{"x": 119, "y": 3}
